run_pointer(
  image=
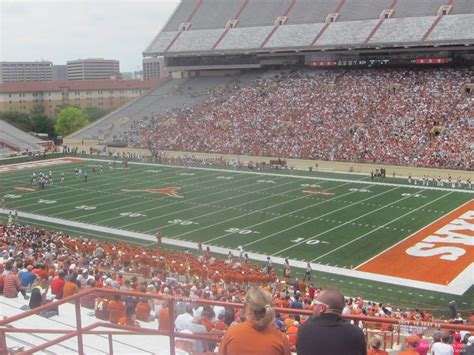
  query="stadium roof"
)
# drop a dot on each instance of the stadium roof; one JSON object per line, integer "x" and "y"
{"x": 78, "y": 85}
{"x": 221, "y": 26}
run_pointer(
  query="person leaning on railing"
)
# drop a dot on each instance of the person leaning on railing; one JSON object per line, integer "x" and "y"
{"x": 258, "y": 334}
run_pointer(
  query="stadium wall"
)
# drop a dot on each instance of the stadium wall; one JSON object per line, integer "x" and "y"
{"x": 316, "y": 165}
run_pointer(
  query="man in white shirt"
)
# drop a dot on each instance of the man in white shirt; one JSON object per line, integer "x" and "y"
{"x": 440, "y": 345}
{"x": 185, "y": 320}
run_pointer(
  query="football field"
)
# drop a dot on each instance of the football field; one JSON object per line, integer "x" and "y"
{"x": 386, "y": 239}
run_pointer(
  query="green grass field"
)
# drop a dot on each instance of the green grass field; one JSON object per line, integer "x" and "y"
{"x": 269, "y": 214}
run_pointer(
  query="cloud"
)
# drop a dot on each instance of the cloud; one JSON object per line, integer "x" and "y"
{"x": 61, "y": 30}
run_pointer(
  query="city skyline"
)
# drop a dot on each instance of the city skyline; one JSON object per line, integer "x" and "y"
{"x": 120, "y": 29}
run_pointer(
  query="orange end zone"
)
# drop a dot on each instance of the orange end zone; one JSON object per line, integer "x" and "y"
{"x": 437, "y": 254}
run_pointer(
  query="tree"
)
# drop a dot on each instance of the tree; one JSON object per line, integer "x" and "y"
{"x": 17, "y": 119}
{"x": 40, "y": 122}
{"x": 70, "y": 120}
{"x": 94, "y": 113}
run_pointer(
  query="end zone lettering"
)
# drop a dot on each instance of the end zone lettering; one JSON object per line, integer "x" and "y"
{"x": 438, "y": 253}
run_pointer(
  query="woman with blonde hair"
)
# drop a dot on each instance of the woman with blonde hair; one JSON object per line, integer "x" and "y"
{"x": 258, "y": 334}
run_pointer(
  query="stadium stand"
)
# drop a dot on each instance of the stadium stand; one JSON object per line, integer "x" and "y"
{"x": 214, "y": 14}
{"x": 60, "y": 266}
{"x": 356, "y": 10}
{"x": 244, "y": 38}
{"x": 419, "y": 8}
{"x": 346, "y": 33}
{"x": 168, "y": 96}
{"x": 263, "y": 12}
{"x": 453, "y": 26}
{"x": 183, "y": 12}
{"x": 329, "y": 118}
{"x": 462, "y": 7}
{"x": 201, "y": 40}
{"x": 310, "y": 11}
{"x": 294, "y": 35}
{"x": 401, "y": 30}
{"x": 15, "y": 139}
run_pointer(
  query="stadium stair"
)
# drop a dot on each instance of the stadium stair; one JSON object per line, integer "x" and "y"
{"x": 435, "y": 23}
{"x": 196, "y": 8}
{"x": 94, "y": 344}
{"x": 326, "y": 25}
{"x": 375, "y": 29}
{"x": 236, "y": 17}
{"x": 277, "y": 26}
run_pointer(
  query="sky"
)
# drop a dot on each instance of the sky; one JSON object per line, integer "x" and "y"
{"x": 62, "y": 30}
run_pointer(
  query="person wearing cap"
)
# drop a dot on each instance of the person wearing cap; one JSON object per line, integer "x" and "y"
{"x": 326, "y": 333}
{"x": 411, "y": 342}
{"x": 257, "y": 335}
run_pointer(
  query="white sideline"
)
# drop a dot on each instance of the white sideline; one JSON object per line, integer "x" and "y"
{"x": 457, "y": 287}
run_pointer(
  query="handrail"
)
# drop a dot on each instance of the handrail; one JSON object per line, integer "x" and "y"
{"x": 6, "y": 327}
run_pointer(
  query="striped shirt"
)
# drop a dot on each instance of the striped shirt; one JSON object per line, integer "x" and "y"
{"x": 11, "y": 285}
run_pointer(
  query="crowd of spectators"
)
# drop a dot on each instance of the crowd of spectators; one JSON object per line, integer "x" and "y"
{"x": 398, "y": 116}
{"x": 43, "y": 265}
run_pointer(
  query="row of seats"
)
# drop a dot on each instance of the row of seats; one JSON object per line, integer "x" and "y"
{"x": 393, "y": 30}
{"x": 214, "y": 14}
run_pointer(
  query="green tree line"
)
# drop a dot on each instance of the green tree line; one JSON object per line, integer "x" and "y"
{"x": 68, "y": 120}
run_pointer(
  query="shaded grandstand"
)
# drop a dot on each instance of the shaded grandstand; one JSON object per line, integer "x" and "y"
{"x": 14, "y": 141}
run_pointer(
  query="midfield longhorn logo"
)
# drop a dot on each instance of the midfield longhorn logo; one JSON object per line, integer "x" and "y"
{"x": 169, "y": 191}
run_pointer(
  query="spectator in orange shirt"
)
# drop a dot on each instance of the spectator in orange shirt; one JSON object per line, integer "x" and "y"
{"x": 143, "y": 310}
{"x": 411, "y": 342}
{"x": 257, "y": 335}
{"x": 164, "y": 317}
{"x": 116, "y": 309}
{"x": 375, "y": 345}
{"x": 70, "y": 287}
{"x": 292, "y": 333}
{"x": 220, "y": 324}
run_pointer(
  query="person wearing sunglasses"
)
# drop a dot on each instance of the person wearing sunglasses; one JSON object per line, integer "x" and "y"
{"x": 326, "y": 333}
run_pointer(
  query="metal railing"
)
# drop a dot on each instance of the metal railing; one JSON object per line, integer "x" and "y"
{"x": 6, "y": 326}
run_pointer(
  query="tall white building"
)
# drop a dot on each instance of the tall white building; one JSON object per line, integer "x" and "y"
{"x": 26, "y": 71}
{"x": 92, "y": 69}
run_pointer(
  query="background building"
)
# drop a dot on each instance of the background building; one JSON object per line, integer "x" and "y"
{"x": 59, "y": 72}
{"x": 107, "y": 95}
{"x": 92, "y": 69}
{"x": 154, "y": 67}
{"x": 26, "y": 71}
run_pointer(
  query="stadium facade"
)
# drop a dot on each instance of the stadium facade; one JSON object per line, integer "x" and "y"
{"x": 211, "y": 34}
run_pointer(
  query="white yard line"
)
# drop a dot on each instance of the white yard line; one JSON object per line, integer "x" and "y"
{"x": 380, "y": 227}
{"x": 241, "y": 204}
{"x": 457, "y": 287}
{"x": 164, "y": 197}
{"x": 341, "y": 225}
{"x": 70, "y": 187}
{"x": 191, "y": 208}
{"x": 273, "y": 206}
{"x": 317, "y": 217}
